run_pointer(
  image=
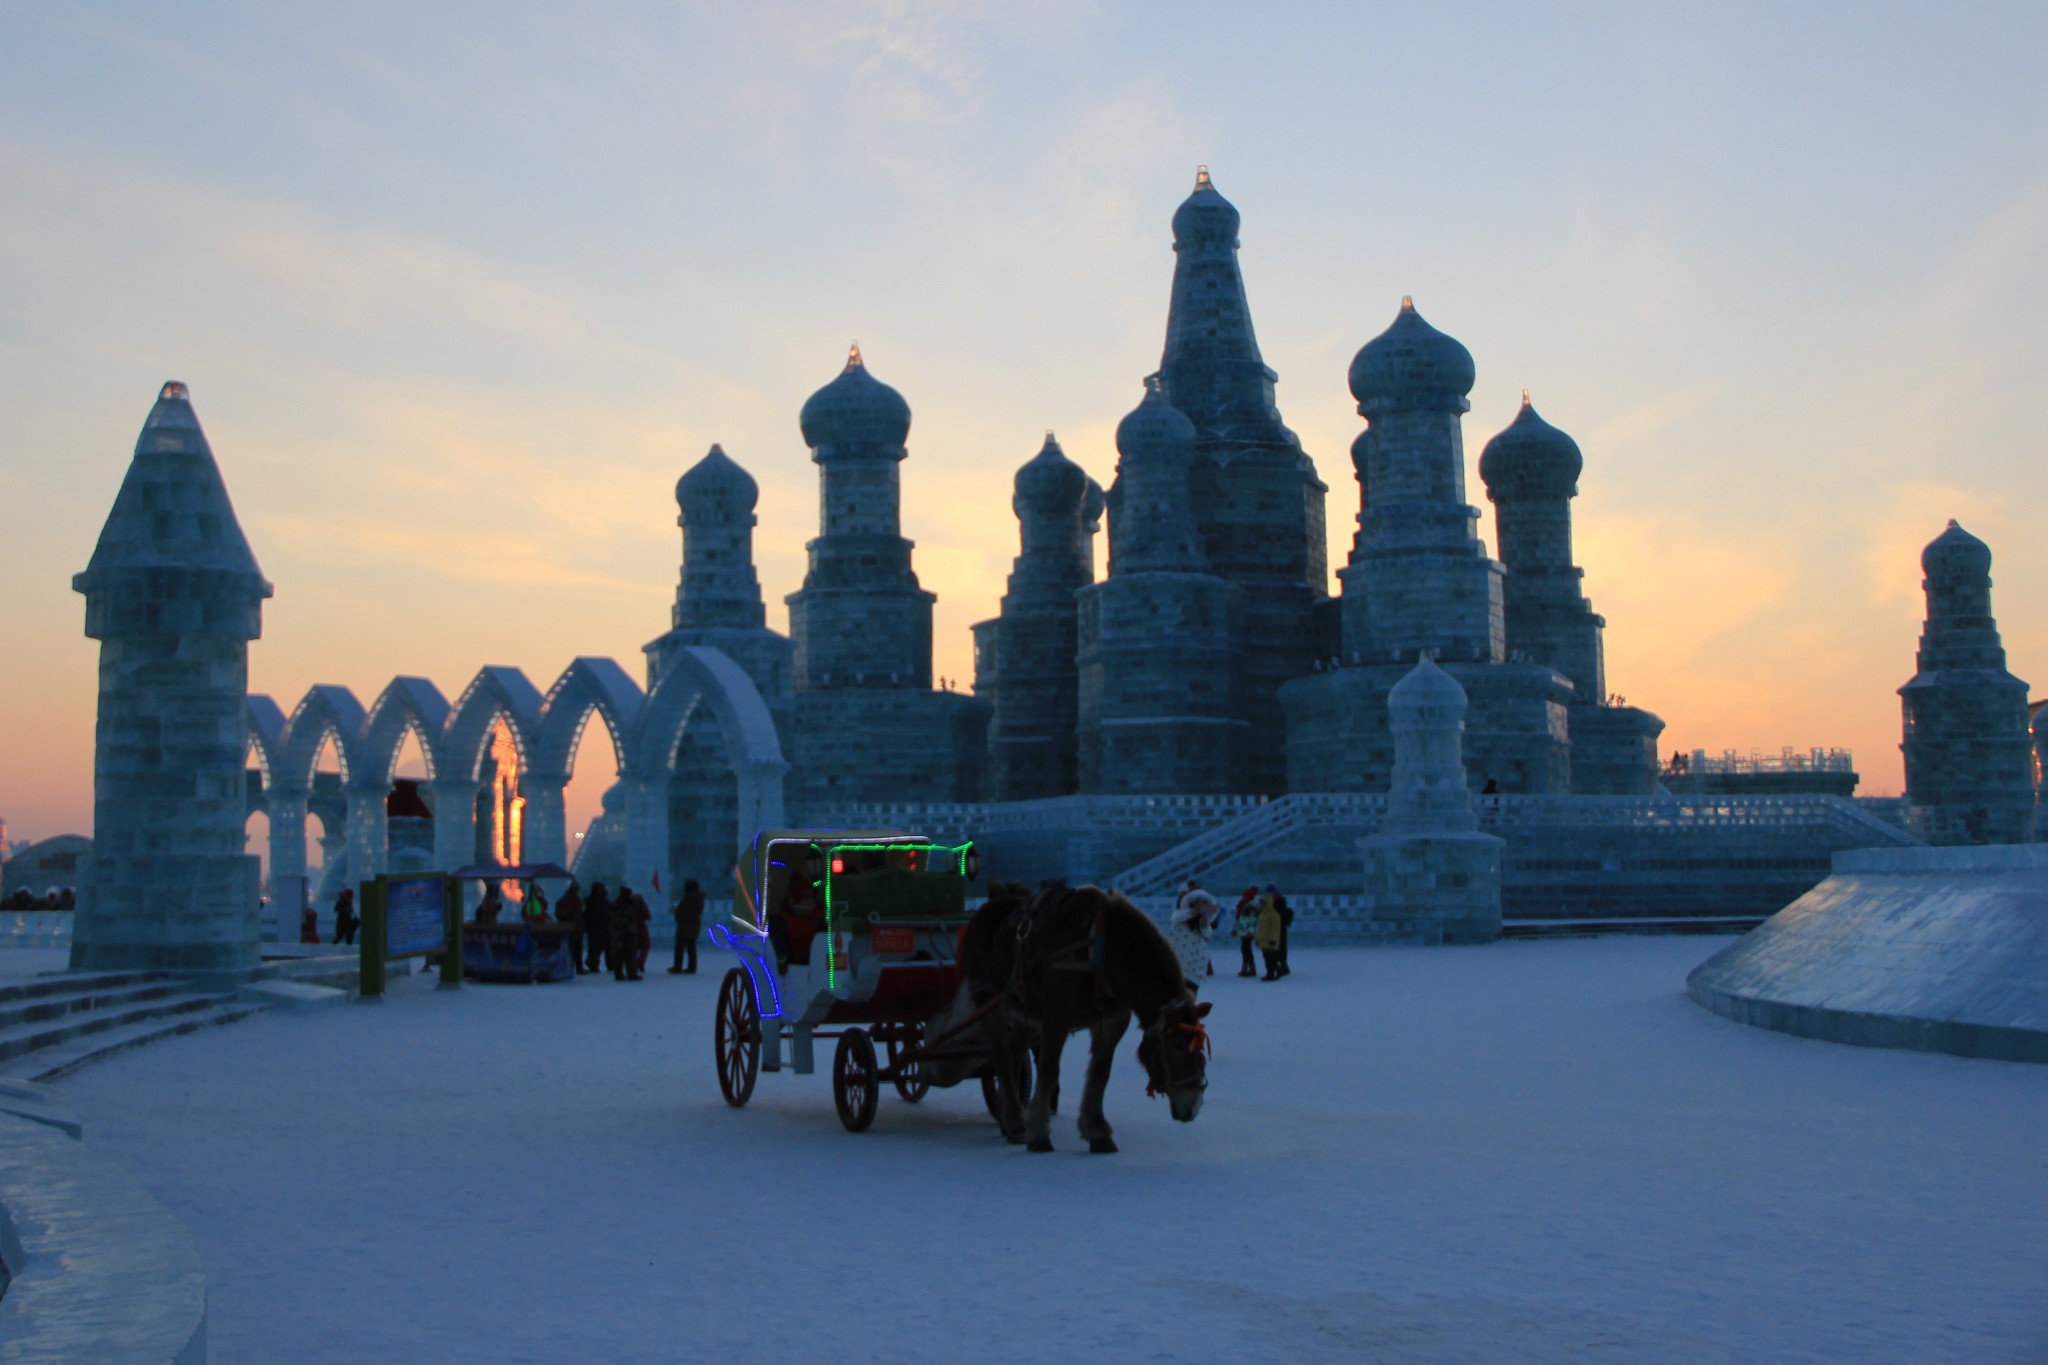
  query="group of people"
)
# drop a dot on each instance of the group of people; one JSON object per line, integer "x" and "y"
{"x": 56, "y": 898}
{"x": 1261, "y": 920}
{"x": 607, "y": 931}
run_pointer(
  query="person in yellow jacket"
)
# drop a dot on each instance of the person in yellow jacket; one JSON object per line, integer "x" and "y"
{"x": 1269, "y": 937}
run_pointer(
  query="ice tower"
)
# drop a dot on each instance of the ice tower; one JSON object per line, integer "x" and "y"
{"x": 718, "y": 605}
{"x": 1159, "y": 651}
{"x": 174, "y": 597}
{"x": 1969, "y": 759}
{"x": 1257, "y": 503}
{"x": 869, "y": 727}
{"x": 1430, "y": 875}
{"x": 1531, "y": 472}
{"x": 1027, "y": 667}
{"x": 1420, "y": 581}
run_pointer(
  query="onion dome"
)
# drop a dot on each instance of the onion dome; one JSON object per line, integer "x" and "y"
{"x": 1531, "y": 459}
{"x": 1956, "y": 553}
{"x": 1155, "y": 426}
{"x": 1049, "y": 482}
{"x": 1092, "y": 506}
{"x": 855, "y": 409}
{"x": 1411, "y": 364}
{"x": 716, "y": 487}
{"x": 1205, "y": 215}
{"x": 1428, "y": 698}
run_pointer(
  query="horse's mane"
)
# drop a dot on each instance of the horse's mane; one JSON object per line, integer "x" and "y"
{"x": 1138, "y": 951}
{"x": 1148, "y": 941}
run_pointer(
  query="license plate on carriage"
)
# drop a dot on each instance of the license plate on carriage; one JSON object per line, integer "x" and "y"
{"x": 893, "y": 938}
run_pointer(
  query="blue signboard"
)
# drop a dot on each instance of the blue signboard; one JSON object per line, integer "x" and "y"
{"x": 414, "y": 918}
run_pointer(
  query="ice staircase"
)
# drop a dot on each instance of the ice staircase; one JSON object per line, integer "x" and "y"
{"x": 52, "y": 1025}
{"x": 1869, "y": 830}
{"x": 1164, "y": 875}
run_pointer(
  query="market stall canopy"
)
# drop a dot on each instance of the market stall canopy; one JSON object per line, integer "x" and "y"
{"x": 513, "y": 872}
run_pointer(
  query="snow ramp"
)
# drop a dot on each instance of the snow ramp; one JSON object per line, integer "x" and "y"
{"x": 1926, "y": 949}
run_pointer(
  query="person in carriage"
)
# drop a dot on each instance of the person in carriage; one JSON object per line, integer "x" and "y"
{"x": 795, "y": 924}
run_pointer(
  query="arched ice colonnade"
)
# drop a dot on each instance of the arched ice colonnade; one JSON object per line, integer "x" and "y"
{"x": 646, "y": 730}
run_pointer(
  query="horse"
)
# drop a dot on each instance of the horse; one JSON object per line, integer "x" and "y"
{"x": 1065, "y": 959}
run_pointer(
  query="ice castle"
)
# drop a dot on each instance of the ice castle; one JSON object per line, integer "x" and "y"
{"x": 1206, "y": 709}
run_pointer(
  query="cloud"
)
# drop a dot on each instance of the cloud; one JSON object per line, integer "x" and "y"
{"x": 506, "y": 556}
{"x": 1634, "y": 269}
{"x": 2007, "y": 251}
{"x": 1639, "y": 424}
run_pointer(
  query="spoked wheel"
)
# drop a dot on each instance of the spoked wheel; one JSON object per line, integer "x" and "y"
{"x": 737, "y": 1037}
{"x": 855, "y": 1090}
{"x": 912, "y": 1082}
{"x": 992, "y": 1096}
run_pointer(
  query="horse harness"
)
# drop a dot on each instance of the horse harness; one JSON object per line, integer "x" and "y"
{"x": 1086, "y": 956}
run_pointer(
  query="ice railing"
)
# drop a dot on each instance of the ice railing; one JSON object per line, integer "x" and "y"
{"x": 1190, "y": 814}
{"x": 1729, "y": 763}
{"x": 1364, "y": 811}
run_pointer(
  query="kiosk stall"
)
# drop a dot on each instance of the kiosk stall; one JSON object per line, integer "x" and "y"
{"x": 516, "y": 950}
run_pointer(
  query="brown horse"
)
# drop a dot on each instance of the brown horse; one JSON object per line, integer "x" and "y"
{"x": 1066, "y": 959}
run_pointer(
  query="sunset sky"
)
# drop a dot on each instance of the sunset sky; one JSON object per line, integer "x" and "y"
{"x": 461, "y": 289}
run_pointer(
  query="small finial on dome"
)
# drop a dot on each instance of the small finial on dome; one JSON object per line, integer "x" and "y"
{"x": 1201, "y": 177}
{"x": 1049, "y": 438}
{"x": 1525, "y": 398}
{"x": 716, "y": 449}
{"x": 853, "y": 360}
{"x": 1152, "y": 383}
{"x": 1407, "y": 304}
{"x": 176, "y": 389}
{"x": 1953, "y": 524}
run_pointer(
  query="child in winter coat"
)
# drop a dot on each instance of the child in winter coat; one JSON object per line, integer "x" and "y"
{"x": 1192, "y": 922}
{"x": 1246, "y": 927}
{"x": 1269, "y": 938}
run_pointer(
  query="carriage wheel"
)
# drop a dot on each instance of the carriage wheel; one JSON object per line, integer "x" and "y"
{"x": 912, "y": 1082}
{"x": 736, "y": 1035}
{"x": 992, "y": 1097}
{"x": 854, "y": 1088}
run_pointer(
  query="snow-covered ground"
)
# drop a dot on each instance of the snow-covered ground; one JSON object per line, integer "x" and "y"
{"x": 1525, "y": 1152}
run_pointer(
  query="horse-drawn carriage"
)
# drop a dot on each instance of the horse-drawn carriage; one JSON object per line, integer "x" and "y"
{"x": 852, "y": 936}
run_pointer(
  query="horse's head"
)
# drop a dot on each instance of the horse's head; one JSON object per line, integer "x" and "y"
{"x": 1175, "y": 1055}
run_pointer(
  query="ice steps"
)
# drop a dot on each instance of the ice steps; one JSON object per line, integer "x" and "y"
{"x": 65, "y": 983}
{"x": 53, "y": 1024}
{"x": 54, "y": 1002}
{"x": 105, "y": 1037}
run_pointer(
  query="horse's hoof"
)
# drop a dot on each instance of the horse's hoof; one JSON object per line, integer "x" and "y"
{"x": 1102, "y": 1144}
{"x": 1039, "y": 1145}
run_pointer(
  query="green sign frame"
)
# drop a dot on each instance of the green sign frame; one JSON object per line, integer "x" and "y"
{"x": 374, "y": 900}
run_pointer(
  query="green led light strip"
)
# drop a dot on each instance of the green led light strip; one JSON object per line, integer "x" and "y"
{"x": 831, "y": 936}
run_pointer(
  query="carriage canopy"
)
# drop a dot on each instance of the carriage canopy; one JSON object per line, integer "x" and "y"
{"x": 859, "y": 879}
